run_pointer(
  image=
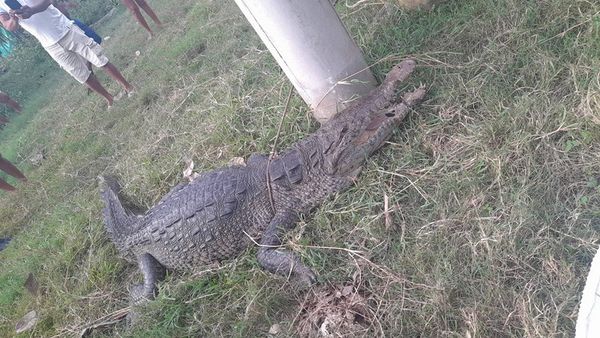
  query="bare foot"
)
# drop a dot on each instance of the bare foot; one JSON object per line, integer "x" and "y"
{"x": 119, "y": 95}
{"x": 109, "y": 103}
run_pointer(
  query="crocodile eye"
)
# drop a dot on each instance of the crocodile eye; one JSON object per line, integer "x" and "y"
{"x": 390, "y": 114}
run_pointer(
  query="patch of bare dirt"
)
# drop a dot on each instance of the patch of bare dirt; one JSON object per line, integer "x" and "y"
{"x": 335, "y": 311}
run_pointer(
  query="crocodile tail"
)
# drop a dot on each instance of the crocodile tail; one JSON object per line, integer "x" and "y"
{"x": 117, "y": 220}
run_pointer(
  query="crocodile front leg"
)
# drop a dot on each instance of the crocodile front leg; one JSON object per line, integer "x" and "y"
{"x": 153, "y": 272}
{"x": 279, "y": 261}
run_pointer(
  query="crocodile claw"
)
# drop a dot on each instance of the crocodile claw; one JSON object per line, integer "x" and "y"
{"x": 304, "y": 275}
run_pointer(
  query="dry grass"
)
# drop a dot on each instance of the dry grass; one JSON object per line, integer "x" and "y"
{"x": 490, "y": 219}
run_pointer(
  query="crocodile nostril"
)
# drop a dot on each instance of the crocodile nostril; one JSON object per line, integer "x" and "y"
{"x": 390, "y": 114}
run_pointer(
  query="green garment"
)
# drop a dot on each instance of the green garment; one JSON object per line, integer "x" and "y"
{"x": 6, "y": 42}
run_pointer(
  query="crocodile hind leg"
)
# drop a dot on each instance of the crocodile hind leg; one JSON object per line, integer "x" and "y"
{"x": 153, "y": 272}
{"x": 279, "y": 261}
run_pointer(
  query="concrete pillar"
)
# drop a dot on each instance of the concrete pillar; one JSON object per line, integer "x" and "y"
{"x": 313, "y": 48}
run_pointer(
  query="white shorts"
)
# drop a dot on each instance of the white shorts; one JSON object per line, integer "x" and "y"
{"x": 74, "y": 51}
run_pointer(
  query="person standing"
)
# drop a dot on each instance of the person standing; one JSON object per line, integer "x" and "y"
{"x": 134, "y": 7}
{"x": 64, "y": 41}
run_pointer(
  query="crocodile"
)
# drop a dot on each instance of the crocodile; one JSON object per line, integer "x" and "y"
{"x": 220, "y": 213}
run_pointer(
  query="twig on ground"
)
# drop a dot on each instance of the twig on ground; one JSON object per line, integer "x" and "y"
{"x": 386, "y": 212}
{"x": 563, "y": 33}
{"x": 287, "y": 104}
{"x": 108, "y": 320}
{"x": 351, "y": 76}
{"x": 360, "y": 2}
{"x": 300, "y": 309}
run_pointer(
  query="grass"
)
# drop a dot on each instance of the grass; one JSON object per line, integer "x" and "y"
{"x": 493, "y": 180}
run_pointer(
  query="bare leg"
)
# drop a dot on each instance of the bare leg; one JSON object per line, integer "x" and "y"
{"x": 93, "y": 83}
{"x": 144, "y": 5}
{"x": 5, "y": 99}
{"x": 10, "y": 169}
{"x": 6, "y": 186}
{"x": 137, "y": 14}
{"x": 116, "y": 75}
{"x": 89, "y": 65}
{"x": 14, "y": 105}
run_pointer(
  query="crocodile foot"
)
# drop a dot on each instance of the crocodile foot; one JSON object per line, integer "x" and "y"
{"x": 304, "y": 275}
